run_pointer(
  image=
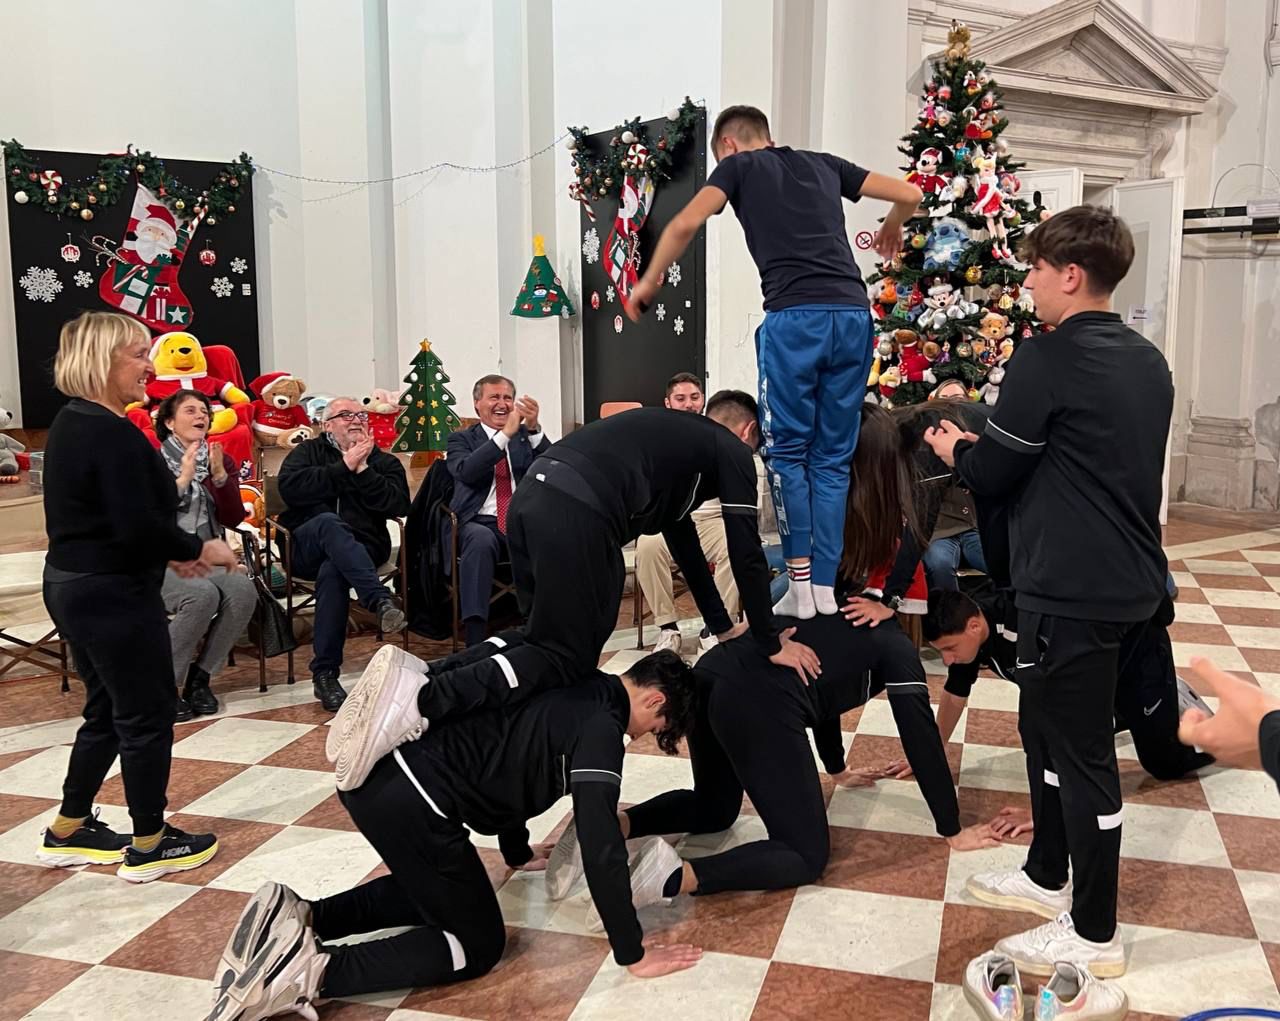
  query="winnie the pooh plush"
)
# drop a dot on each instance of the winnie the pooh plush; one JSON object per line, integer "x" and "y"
{"x": 180, "y": 365}
{"x": 279, "y": 419}
{"x": 383, "y": 407}
{"x": 9, "y": 447}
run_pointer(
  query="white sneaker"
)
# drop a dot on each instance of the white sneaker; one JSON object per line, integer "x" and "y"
{"x": 650, "y": 869}
{"x": 668, "y": 641}
{"x": 1037, "y": 951}
{"x": 707, "y": 642}
{"x": 564, "y": 864}
{"x": 1188, "y": 699}
{"x": 283, "y": 976}
{"x": 379, "y": 714}
{"x": 1015, "y": 890}
{"x": 270, "y": 908}
{"x": 1075, "y": 994}
{"x": 993, "y": 988}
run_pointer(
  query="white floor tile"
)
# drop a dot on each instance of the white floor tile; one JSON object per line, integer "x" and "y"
{"x": 104, "y": 992}
{"x": 88, "y": 917}
{"x": 622, "y": 661}
{"x": 1227, "y": 657}
{"x": 314, "y": 862}
{"x": 745, "y": 830}
{"x": 720, "y": 986}
{"x": 1238, "y": 568}
{"x": 1223, "y": 544}
{"x": 266, "y": 794}
{"x": 993, "y": 768}
{"x": 234, "y": 740}
{"x": 992, "y": 859}
{"x": 894, "y": 806}
{"x": 19, "y": 844}
{"x": 1183, "y": 579}
{"x": 41, "y": 775}
{"x": 404, "y": 1014}
{"x": 1262, "y": 556}
{"x": 539, "y": 826}
{"x": 1269, "y": 682}
{"x": 1240, "y": 792}
{"x": 1181, "y": 835}
{"x": 38, "y": 735}
{"x": 949, "y": 1004}
{"x": 1196, "y": 613}
{"x": 877, "y": 718}
{"x": 1255, "y": 637}
{"x": 1178, "y": 973}
{"x": 646, "y": 776}
{"x": 994, "y": 693}
{"x": 524, "y": 902}
{"x": 1245, "y": 598}
{"x": 866, "y": 932}
{"x": 1261, "y": 891}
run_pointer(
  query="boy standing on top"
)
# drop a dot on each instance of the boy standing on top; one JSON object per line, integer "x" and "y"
{"x": 814, "y": 347}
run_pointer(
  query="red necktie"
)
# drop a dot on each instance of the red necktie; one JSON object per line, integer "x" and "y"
{"x": 502, "y": 489}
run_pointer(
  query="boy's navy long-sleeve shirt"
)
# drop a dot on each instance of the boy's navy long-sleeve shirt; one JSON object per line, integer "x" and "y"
{"x": 1076, "y": 445}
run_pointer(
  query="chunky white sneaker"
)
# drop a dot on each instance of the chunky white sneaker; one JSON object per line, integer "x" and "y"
{"x": 668, "y": 641}
{"x": 1073, "y": 993}
{"x": 1188, "y": 699}
{"x": 1038, "y": 950}
{"x": 650, "y": 868}
{"x": 1015, "y": 890}
{"x": 380, "y": 714}
{"x": 993, "y": 988}
{"x": 267, "y": 911}
{"x": 564, "y": 864}
{"x": 707, "y": 642}
{"x": 283, "y": 976}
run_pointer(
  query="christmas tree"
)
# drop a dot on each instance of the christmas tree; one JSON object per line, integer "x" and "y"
{"x": 949, "y": 306}
{"x": 542, "y": 294}
{"x": 428, "y": 418}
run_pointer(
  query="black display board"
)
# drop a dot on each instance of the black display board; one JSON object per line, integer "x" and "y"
{"x": 49, "y": 289}
{"x": 635, "y": 364}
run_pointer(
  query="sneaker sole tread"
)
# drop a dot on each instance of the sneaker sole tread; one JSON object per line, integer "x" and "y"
{"x": 999, "y": 900}
{"x": 58, "y": 858}
{"x": 376, "y": 691}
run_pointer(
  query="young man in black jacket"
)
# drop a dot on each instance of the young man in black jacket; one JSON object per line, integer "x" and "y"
{"x": 340, "y": 490}
{"x": 488, "y": 772}
{"x": 1079, "y": 436}
{"x": 637, "y": 473}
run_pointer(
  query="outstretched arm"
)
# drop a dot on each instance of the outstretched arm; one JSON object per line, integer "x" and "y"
{"x": 905, "y": 198}
{"x": 674, "y": 240}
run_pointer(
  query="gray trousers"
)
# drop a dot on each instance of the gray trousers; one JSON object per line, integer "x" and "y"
{"x": 216, "y": 608}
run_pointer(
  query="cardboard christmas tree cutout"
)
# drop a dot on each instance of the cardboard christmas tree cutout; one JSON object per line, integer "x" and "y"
{"x": 542, "y": 295}
{"x": 428, "y": 418}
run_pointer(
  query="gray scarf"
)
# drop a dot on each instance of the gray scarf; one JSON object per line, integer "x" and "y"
{"x": 195, "y": 506}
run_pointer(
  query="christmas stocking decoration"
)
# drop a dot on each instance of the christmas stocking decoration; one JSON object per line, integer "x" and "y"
{"x": 142, "y": 277}
{"x": 622, "y": 248}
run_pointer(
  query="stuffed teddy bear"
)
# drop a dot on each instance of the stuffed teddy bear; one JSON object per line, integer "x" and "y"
{"x": 383, "y": 407}
{"x": 180, "y": 365}
{"x": 278, "y": 417}
{"x": 914, "y": 365}
{"x": 9, "y": 447}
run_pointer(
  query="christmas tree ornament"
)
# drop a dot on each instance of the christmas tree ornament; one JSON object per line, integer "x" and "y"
{"x": 994, "y": 328}
{"x": 212, "y": 221}
{"x": 422, "y": 429}
{"x": 945, "y": 245}
{"x": 944, "y": 118}
{"x": 179, "y": 205}
{"x": 964, "y": 349}
{"x": 885, "y": 348}
{"x": 542, "y": 288}
{"x": 102, "y": 186}
{"x": 1002, "y": 145}
{"x": 572, "y": 144}
{"x": 207, "y": 255}
{"x": 33, "y": 176}
{"x": 971, "y": 86}
{"x": 974, "y": 395}
{"x": 889, "y": 292}
{"x": 86, "y": 214}
{"x": 925, "y": 176}
{"x": 918, "y": 241}
{"x": 51, "y": 180}
{"x": 990, "y": 203}
{"x": 617, "y": 324}
{"x": 75, "y": 206}
{"x": 595, "y": 299}
{"x": 93, "y": 199}
{"x": 973, "y": 274}
{"x": 1005, "y": 302}
{"x": 52, "y": 197}
{"x": 628, "y": 137}
{"x": 141, "y": 168}
{"x": 141, "y": 279}
{"x": 70, "y": 251}
{"x": 944, "y": 92}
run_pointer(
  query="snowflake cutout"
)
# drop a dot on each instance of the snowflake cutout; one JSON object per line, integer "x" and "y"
{"x": 660, "y": 312}
{"x": 221, "y": 286}
{"x": 83, "y": 278}
{"x": 40, "y": 284}
{"x": 591, "y": 245}
{"x": 609, "y": 293}
{"x": 673, "y": 274}
{"x": 238, "y": 265}
{"x": 678, "y": 325}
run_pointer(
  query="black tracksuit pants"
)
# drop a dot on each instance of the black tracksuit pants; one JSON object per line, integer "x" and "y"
{"x": 438, "y": 885}
{"x": 569, "y": 575}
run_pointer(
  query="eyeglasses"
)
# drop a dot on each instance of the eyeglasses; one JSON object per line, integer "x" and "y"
{"x": 349, "y": 416}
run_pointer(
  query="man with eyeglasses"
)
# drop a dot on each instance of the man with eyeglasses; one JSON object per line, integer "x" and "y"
{"x": 340, "y": 490}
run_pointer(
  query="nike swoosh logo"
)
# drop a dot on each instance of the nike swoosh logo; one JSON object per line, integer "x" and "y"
{"x": 1021, "y": 666}
{"x": 1148, "y": 712}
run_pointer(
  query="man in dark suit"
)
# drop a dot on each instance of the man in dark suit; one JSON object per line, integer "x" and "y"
{"x": 487, "y": 462}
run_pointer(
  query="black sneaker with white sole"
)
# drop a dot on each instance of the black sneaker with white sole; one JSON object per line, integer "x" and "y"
{"x": 94, "y": 843}
{"x": 176, "y": 852}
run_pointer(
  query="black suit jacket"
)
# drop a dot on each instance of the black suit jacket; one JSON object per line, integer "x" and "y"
{"x": 471, "y": 459}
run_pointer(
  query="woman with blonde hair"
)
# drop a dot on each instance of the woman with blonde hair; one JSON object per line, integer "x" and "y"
{"x": 111, "y": 513}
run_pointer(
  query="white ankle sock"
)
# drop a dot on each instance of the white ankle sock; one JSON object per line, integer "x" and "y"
{"x": 798, "y": 601}
{"x": 824, "y": 599}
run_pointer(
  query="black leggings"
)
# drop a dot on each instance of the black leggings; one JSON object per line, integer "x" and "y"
{"x": 118, "y": 632}
{"x": 437, "y": 884}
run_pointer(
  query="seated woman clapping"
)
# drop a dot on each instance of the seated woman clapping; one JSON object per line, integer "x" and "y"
{"x": 217, "y": 606}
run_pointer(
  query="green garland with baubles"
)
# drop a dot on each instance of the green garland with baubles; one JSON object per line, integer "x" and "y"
{"x": 32, "y": 183}
{"x": 598, "y": 176}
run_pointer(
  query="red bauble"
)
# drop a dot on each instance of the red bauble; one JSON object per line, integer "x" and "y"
{"x": 208, "y": 257}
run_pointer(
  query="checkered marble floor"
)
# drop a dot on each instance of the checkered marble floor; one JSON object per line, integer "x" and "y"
{"x": 884, "y": 935}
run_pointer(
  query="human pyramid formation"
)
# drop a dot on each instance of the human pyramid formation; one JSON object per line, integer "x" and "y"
{"x": 493, "y": 736}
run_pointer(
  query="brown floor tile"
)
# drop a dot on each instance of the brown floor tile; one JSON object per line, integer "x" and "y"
{"x": 1135, "y": 1015}
{"x": 338, "y": 1010}
{"x": 1264, "y": 661}
{"x": 237, "y": 839}
{"x": 30, "y": 980}
{"x": 22, "y": 883}
{"x": 1272, "y": 950}
{"x": 307, "y": 712}
{"x": 38, "y": 700}
{"x": 978, "y": 805}
{"x": 746, "y": 923}
{"x": 1137, "y": 785}
{"x": 1251, "y": 843}
{"x": 1193, "y": 897}
{"x": 896, "y": 864}
{"x": 17, "y": 808}
{"x": 969, "y": 930}
{"x": 794, "y": 992}
{"x": 329, "y": 815}
{"x": 541, "y": 977}
{"x": 1268, "y": 570}
{"x": 188, "y": 940}
{"x": 1205, "y": 634}
{"x": 1235, "y": 556}
{"x": 873, "y": 750}
{"x": 648, "y": 745}
{"x": 498, "y": 870}
{"x": 1247, "y": 616}
{"x": 1188, "y": 594}
{"x": 307, "y": 752}
{"x": 189, "y": 779}
{"x": 1177, "y": 565}
{"x": 13, "y": 758}
{"x": 1239, "y": 582}
{"x": 993, "y": 727}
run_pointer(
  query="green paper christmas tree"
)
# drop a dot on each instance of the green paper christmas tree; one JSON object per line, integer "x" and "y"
{"x": 428, "y": 418}
{"x": 542, "y": 295}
